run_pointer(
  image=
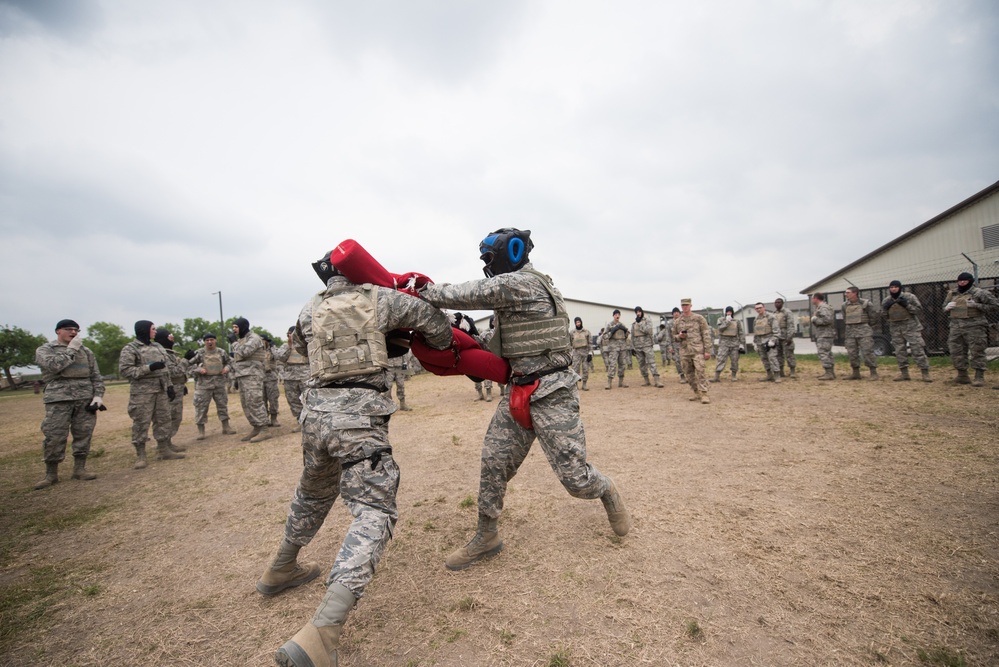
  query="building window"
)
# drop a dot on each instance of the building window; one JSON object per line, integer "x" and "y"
{"x": 990, "y": 236}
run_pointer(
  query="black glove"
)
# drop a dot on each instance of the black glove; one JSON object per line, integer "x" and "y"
{"x": 92, "y": 409}
{"x": 231, "y": 337}
{"x": 742, "y": 349}
{"x": 901, "y": 299}
{"x": 589, "y": 357}
{"x": 772, "y": 343}
{"x": 157, "y": 365}
{"x": 405, "y": 367}
{"x": 397, "y": 342}
{"x": 185, "y": 390}
{"x": 189, "y": 355}
{"x": 171, "y": 394}
{"x": 888, "y": 303}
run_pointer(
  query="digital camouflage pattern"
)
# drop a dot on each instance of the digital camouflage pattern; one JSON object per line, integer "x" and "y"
{"x": 346, "y": 448}
{"x": 295, "y": 373}
{"x": 767, "y": 343}
{"x": 693, "y": 334}
{"x": 728, "y": 346}
{"x": 147, "y": 399}
{"x": 785, "y": 344}
{"x": 396, "y": 374}
{"x": 72, "y": 380}
{"x": 643, "y": 342}
{"x": 520, "y": 296}
{"x": 617, "y": 349}
{"x": 824, "y": 332}
{"x": 247, "y": 367}
{"x": 969, "y": 336}
{"x": 209, "y": 387}
{"x": 859, "y": 338}
{"x": 580, "y": 354}
{"x": 177, "y": 366}
{"x": 906, "y": 334}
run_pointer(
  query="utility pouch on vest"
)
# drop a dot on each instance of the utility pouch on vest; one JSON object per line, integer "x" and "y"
{"x": 345, "y": 338}
{"x": 80, "y": 368}
{"x": 212, "y": 363}
{"x": 855, "y": 314}
{"x": 898, "y": 313}
{"x": 520, "y": 399}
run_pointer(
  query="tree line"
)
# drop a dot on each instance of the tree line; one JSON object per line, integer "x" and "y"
{"x": 106, "y": 340}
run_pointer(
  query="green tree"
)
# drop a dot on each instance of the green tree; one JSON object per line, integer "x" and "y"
{"x": 106, "y": 340}
{"x": 17, "y": 348}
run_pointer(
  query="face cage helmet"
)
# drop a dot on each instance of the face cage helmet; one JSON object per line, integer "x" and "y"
{"x": 505, "y": 251}
{"x": 324, "y": 268}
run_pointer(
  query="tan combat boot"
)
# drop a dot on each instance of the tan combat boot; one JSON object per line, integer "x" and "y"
{"x": 734, "y": 376}
{"x": 51, "y": 476}
{"x": 252, "y": 434}
{"x": 658, "y": 382}
{"x": 610, "y": 383}
{"x": 489, "y": 394}
{"x": 226, "y": 430}
{"x": 926, "y": 374}
{"x": 274, "y": 421}
{"x": 403, "y": 406}
{"x": 768, "y": 378}
{"x": 286, "y": 572}
{"x": 486, "y": 543}
{"x": 903, "y": 375}
{"x": 479, "y": 390}
{"x": 828, "y": 375}
{"x": 856, "y": 374}
{"x": 874, "y": 373}
{"x": 620, "y": 381}
{"x": 645, "y": 381}
{"x": 316, "y": 644}
{"x": 140, "y": 457}
{"x": 979, "y": 380}
{"x": 176, "y": 448}
{"x": 705, "y": 400}
{"x": 584, "y": 386}
{"x": 201, "y": 431}
{"x": 962, "y": 376}
{"x": 165, "y": 453}
{"x": 793, "y": 372}
{"x": 80, "y": 469}
{"x": 617, "y": 513}
{"x": 716, "y": 378}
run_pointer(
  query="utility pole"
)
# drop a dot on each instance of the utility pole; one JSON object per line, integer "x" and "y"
{"x": 221, "y": 317}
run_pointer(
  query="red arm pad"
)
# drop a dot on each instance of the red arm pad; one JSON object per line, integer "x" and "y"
{"x": 358, "y": 266}
{"x": 472, "y": 360}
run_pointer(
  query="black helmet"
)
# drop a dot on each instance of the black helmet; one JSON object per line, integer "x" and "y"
{"x": 324, "y": 268}
{"x": 505, "y": 251}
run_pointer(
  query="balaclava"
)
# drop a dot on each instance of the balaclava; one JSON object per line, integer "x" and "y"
{"x": 243, "y": 324}
{"x": 163, "y": 338}
{"x": 895, "y": 283}
{"x": 579, "y": 324}
{"x": 965, "y": 276}
{"x": 142, "y": 328}
{"x": 639, "y": 313}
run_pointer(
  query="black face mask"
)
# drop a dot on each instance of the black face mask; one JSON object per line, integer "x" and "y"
{"x": 579, "y": 326}
{"x": 243, "y": 324}
{"x": 142, "y": 328}
{"x": 163, "y": 338}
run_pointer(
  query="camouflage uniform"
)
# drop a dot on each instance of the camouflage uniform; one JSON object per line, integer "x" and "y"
{"x": 664, "y": 337}
{"x": 177, "y": 367}
{"x": 147, "y": 399}
{"x": 210, "y": 385}
{"x": 248, "y": 369}
{"x": 484, "y": 339}
{"x": 345, "y": 443}
{"x": 824, "y": 332}
{"x": 641, "y": 339}
{"x": 859, "y": 339}
{"x": 731, "y": 338}
{"x": 785, "y": 343}
{"x": 906, "y": 330}
{"x": 618, "y": 351}
{"x": 295, "y": 373}
{"x": 520, "y": 297}
{"x": 396, "y": 373}
{"x": 693, "y": 345}
{"x": 968, "y": 335}
{"x": 72, "y": 380}
{"x": 580, "y": 352}
{"x": 767, "y": 332}
{"x": 272, "y": 392}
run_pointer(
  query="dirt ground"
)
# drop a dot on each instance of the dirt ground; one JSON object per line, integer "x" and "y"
{"x": 805, "y": 523}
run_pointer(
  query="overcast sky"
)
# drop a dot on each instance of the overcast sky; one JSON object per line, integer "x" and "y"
{"x": 152, "y": 153}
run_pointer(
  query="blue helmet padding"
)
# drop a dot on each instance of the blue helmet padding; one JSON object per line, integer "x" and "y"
{"x": 515, "y": 250}
{"x": 505, "y": 250}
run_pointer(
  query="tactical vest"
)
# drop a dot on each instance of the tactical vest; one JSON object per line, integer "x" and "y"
{"x": 346, "y": 341}
{"x": 855, "y": 313}
{"x": 296, "y": 358}
{"x": 637, "y": 333}
{"x": 730, "y": 329}
{"x": 546, "y": 335}
{"x": 268, "y": 360}
{"x": 898, "y": 313}
{"x": 80, "y": 368}
{"x": 619, "y": 334}
{"x": 762, "y": 326}
{"x": 962, "y": 311}
{"x": 149, "y": 354}
{"x": 580, "y": 339}
{"x": 260, "y": 354}
{"x": 212, "y": 362}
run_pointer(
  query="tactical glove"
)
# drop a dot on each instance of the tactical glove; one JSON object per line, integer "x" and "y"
{"x": 742, "y": 349}
{"x": 772, "y": 343}
{"x": 950, "y": 306}
{"x": 231, "y": 337}
{"x": 157, "y": 365}
{"x": 189, "y": 355}
{"x": 185, "y": 390}
{"x": 589, "y": 357}
{"x": 76, "y": 343}
{"x": 95, "y": 405}
{"x": 901, "y": 299}
{"x": 171, "y": 394}
{"x": 970, "y": 303}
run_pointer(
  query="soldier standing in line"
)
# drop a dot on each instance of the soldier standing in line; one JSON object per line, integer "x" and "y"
{"x": 641, "y": 339}
{"x": 766, "y": 337}
{"x": 731, "y": 343}
{"x": 272, "y": 393}
{"x": 860, "y": 315}
{"x": 398, "y": 368}
{"x": 74, "y": 392}
{"x": 210, "y": 367}
{"x": 177, "y": 369}
{"x": 823, "y": 333}
{"x": 295, "y": 373}
{"x": 144, "y": 363}
{"x": 903, "y": 312}
{"x": 618, "y": 351}
{"x": 484, "y": 339}
{"x": 785, "y": 344}
{"x": 664, "y": 338}
{"x": 694, "y": 335}
{"x": 247, "y": 365}
{"x": 968, "y": 307}
{"x": 345, "y": 448}
{"x": 676, "y": 346}
{"x": 581, "y": 350}
{"x": 533, "y": 335}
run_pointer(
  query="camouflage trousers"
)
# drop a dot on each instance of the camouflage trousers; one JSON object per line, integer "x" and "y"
{"x": 293, "y": 394}
{"x": 206, "y": 389}
{"x": 617, "y": 358}
{"x": 676, "y": 360}
{"x": 728, "y": 349}
{"x": 61, "y": 419}
{"x": 579, "y": 362}
{"x": 693, "y": 370}
{"x": 251, "y": 397}
{"x": 785, "y": 352}
{"x": 272, "y": 394}
{"x": 907, "y": 339}
{"x": 647, "y": 361}
{"x": 824, "y": 347}
{"x": 859, "y": 342}
{"x": 967, "y": 342}
{"x": 177, "y": 408}
{"x": 488, "y": 384}
{"x": 146, "y": 409}
{"x": 768, "y": 355}
{"x": 559, "y": 429}
{"x": 349, "y": 456}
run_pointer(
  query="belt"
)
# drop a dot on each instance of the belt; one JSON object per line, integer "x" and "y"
{"x": 351, "y": 385}
{"x": 534, "y": 377}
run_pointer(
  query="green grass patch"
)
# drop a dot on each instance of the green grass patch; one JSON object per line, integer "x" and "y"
{"x": 562, "y": 657}
{"x": 41, "y": 522}
{"x": 694, "y": 630}
{"x": 941, "y": 655}
{"x": 24, "y": 604}
{"x": 467, "y": 501}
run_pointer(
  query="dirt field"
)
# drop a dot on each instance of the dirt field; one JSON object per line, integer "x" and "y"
{"x": 806, "y": 523}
